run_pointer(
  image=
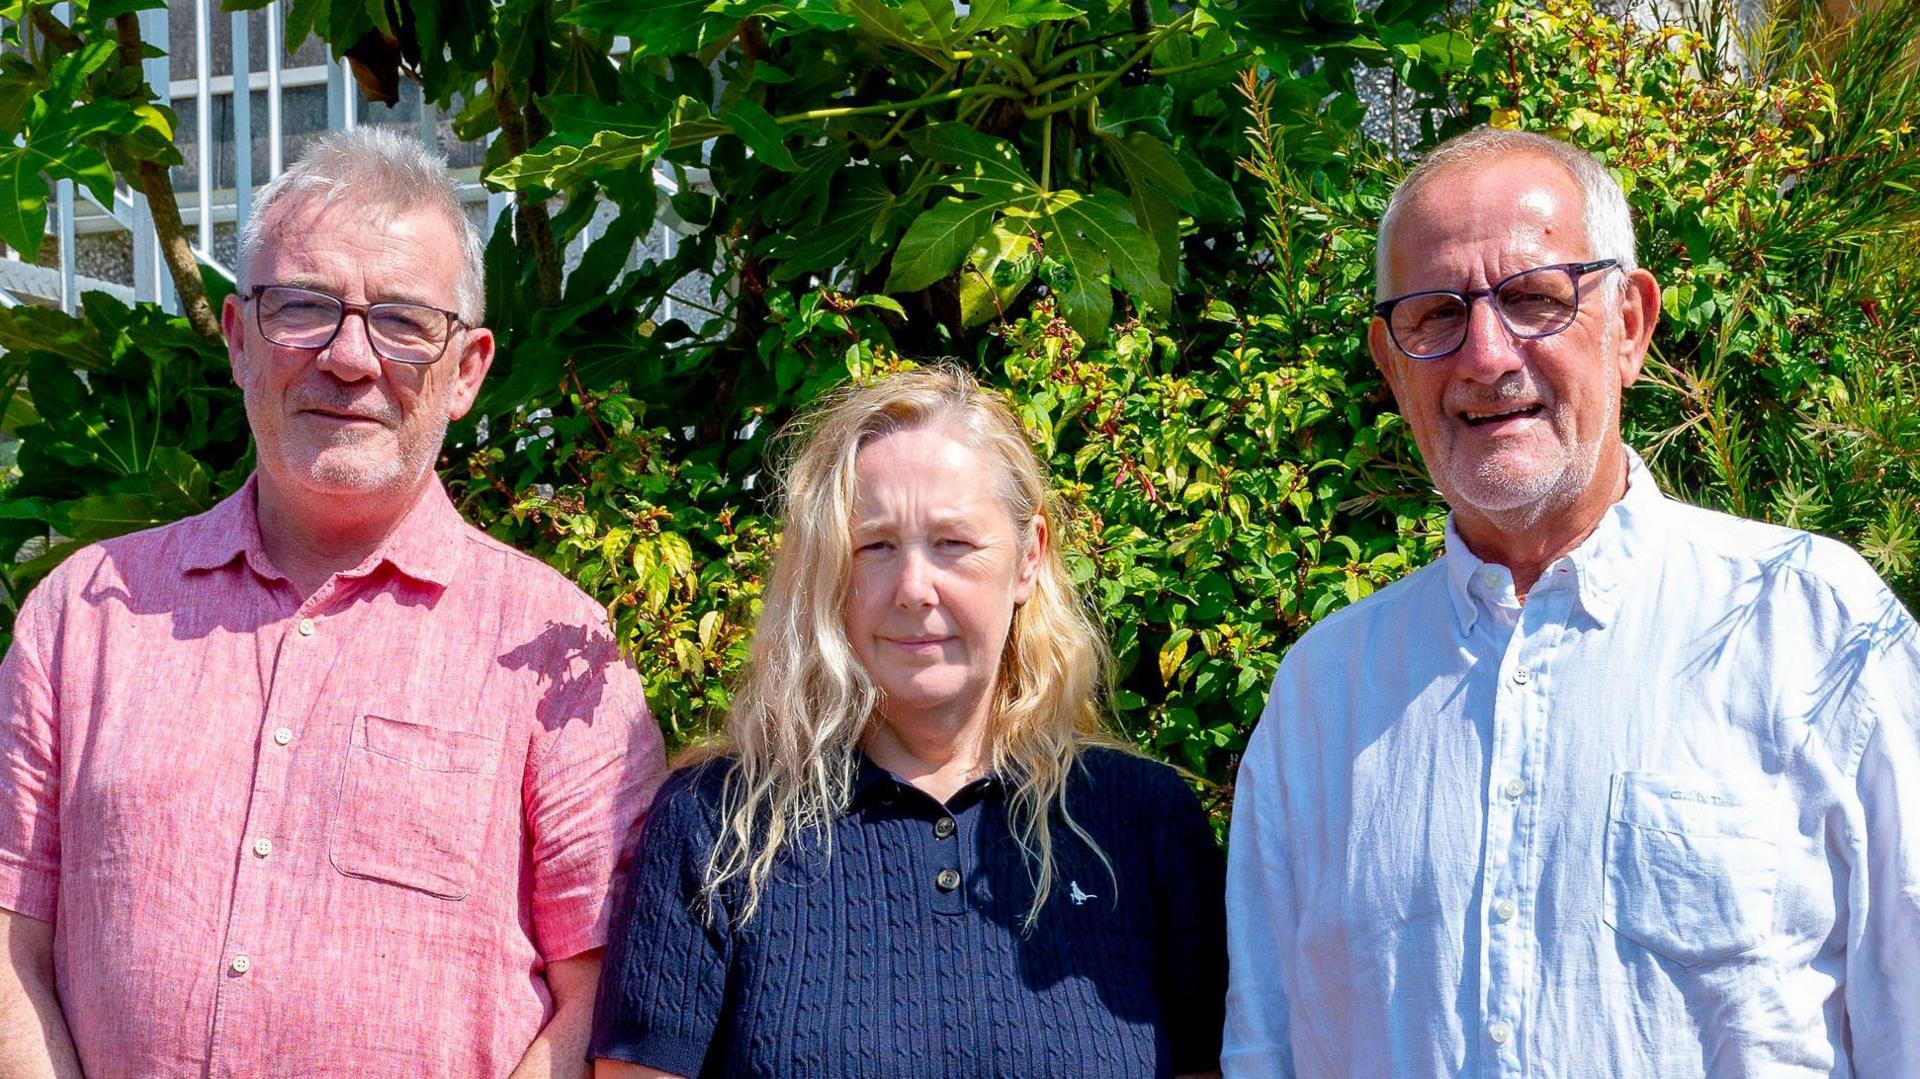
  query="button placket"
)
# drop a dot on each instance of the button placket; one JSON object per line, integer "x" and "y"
{"x": 297, "y": 664}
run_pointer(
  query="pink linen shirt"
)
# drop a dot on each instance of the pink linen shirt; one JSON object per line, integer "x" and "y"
{"x": 338, "y": 837}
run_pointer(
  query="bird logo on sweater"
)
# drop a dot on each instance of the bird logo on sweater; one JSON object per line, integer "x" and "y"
{"x": 1078, "y": 896}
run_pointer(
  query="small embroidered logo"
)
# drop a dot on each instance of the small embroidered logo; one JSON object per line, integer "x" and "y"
{"x": 1079, "y": 896}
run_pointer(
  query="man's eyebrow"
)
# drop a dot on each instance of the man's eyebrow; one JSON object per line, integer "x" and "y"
{"x": 316, "y": 284}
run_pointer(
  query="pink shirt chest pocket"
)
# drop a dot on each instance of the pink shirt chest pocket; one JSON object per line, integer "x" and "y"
{"x": 414, "y": 805}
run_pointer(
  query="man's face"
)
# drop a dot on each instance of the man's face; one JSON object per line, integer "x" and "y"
{"x": 340, "y": 420}
{"x": 1512, "y": 429}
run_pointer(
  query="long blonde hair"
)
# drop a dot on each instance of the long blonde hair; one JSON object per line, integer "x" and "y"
{"x": 805, "y": 700}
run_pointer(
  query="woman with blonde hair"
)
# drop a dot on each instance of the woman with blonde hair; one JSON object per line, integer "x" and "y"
{"x": 915, "y": 854}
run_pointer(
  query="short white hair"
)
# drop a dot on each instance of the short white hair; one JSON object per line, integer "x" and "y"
{"x": 373, "y": 166}
{"x": 1609, "y": 221}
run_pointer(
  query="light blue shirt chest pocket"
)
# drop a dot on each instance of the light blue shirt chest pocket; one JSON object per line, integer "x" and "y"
{"x": 1692, "y": 864}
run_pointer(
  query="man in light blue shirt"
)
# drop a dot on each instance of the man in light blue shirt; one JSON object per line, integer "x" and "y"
{"x": 1618, "y": 787}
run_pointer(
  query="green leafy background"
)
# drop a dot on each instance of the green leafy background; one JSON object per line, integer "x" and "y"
{"x": 1152, "y": 227}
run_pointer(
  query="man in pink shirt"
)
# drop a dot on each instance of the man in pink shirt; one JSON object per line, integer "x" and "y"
{"x": 323, "y": 782}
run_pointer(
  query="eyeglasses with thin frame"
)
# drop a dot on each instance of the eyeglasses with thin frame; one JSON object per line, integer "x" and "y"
{"x": 294, "y": 317}
{"x": 1532, "y": 304}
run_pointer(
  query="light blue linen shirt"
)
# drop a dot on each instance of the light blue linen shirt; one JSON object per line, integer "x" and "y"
{"x": 1662, "y": 820}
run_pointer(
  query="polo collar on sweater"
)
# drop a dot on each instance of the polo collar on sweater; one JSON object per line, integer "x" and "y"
{"x": 872, "y": 782}
{"x": 425, "y": 547}
{"x": 1596, "y": 570}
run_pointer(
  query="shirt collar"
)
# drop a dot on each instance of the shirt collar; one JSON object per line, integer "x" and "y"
{"x": 424, "y": 547}
{"x": 870, "y": 781}
{"x": 1597, "y": 568}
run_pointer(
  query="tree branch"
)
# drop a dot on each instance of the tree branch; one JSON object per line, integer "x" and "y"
{"x": 164, "y": 206}
{"x": 533, "y": 229}
{"x": 56, "y": 32}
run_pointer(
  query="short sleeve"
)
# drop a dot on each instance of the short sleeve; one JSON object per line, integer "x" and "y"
{"x": 663, "y": 982}
{"x": 1190, "y": 879}
{"x": 595, "y": 765}
{"x": 29, "y": 768}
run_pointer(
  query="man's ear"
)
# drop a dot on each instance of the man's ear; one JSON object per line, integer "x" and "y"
{"x": 471, "y": 365}
{"x": 233, "y": 327}
{"x": 1639, "y": 311}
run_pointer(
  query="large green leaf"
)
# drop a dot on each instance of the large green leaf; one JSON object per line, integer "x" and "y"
{"x": 858, "y": 214}
{"x": 577, "y": 118}
{"x": 761, "y": 132}
{"x": 923, "y": 27}
{"x": 99, "y": 517}
{"x": 23, "y": 207}
{"x": 656, "y": 28}
{"x": 998, "y": 267}
{"x": 985, "y": 15}
{"x": 610, "y": 153}
{"x": 938, "y": 241}
{"x": 981, "y": 165}
{"x": 1158, "y": 188}
{"x": 1093, "y": 234}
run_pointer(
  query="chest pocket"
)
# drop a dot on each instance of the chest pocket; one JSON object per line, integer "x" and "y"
{"x": 1692, "y": 865}
{"x": 413, "y": 805}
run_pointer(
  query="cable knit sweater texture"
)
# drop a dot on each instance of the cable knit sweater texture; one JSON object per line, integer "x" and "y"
{"x": 900, "y": 951}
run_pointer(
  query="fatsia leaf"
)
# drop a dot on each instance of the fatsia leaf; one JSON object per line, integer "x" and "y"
{"x": 938, "y": 241}
{"x": 858, "y": 212}
{"x": 179, "y": 479}
{"x": 693, "y": 123}
{"x": 1149, "y": 163}
{"x": 1090, "y": 235}
{"x": 998, "y": 267}
{"x": 981, "y": 165}
{"x": 609, "y": 152}
{"x": 1159, "y": 189}
{"x": 761, "y": 132}
{"x": 99, "y": 517}
{"x": 914, "y": 25}
{"x": 986, "y": 15}
{"x": 1138, "y": 108}
{"x": 577, "y": 118}
{"x": 655, "y": 28}
{"x": 23, "y": 216}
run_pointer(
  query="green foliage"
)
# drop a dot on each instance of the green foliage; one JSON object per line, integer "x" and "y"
{"x": 126, "y": 419}
{"x": 1156, "y": 234}
{"x": 72, "y": 108}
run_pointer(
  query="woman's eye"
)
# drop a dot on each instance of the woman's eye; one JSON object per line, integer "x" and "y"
{"x": 872, "y": 546}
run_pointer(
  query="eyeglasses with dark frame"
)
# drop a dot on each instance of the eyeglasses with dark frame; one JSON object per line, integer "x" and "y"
{"x": 1532, "y": 304}
{"x": 304, "y": 318}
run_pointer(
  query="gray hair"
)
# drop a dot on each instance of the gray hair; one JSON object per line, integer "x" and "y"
{"x": 1609, "y": 221}
{"x": 376, "y": 167}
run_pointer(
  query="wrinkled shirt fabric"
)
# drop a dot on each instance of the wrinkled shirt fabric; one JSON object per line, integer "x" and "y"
{"x": 1662, "y": 820}
{"x": 333, "y": 837}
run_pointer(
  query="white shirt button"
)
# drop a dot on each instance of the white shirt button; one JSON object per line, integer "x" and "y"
{"x": 1490, "y": 577}
{"x": 282, "y": 736}
{"x": 1522, "y": 676}
{"x": 1514, "y": 788}
{"x": 1500, "y": 1032}
{"x": 306, "y": 627}
{"x": 1505, "y": 910}
{"x": 263, "y": 847}
{"x": 241, "y": 964}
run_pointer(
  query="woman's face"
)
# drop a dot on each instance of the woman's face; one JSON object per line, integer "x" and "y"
{"x": 938, "y": 569}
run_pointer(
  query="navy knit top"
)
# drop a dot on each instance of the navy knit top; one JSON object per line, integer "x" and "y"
{"x": 900, "y": 952}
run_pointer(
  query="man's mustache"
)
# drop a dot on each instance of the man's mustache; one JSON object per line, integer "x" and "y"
{"x": 1514, "y": 389}
{"x": 366, "y": 406}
